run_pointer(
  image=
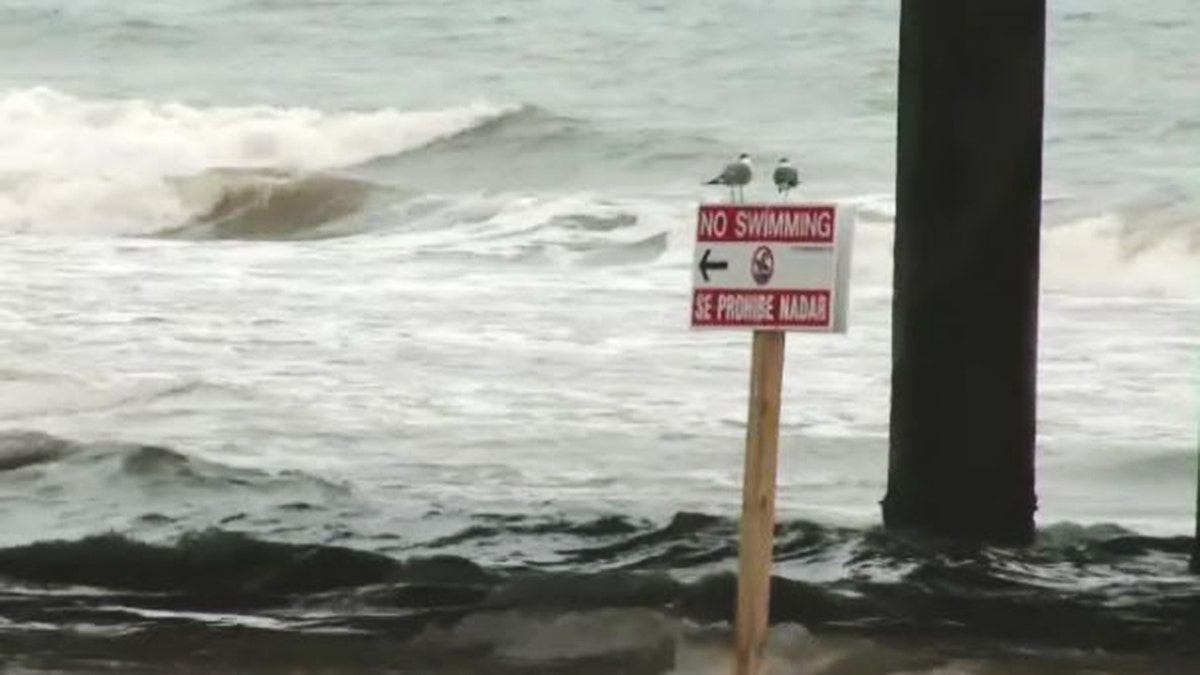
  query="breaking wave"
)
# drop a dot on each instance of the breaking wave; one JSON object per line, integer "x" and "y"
{"x": 1148, "y": 250}
{"x": 70, "y": 164}
{"x": 266, "y": 204}
{"x": 1139, "y": 249}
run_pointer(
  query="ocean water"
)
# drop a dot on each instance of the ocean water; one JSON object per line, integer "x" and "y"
{"x": 352, "y": 336}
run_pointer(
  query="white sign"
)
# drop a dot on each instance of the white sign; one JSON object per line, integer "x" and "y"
{"x": 772, "y": 267}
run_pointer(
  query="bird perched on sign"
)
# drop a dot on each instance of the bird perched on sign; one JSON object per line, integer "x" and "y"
{"x": 786, "y": 177}
{"x": 736, "y": 175}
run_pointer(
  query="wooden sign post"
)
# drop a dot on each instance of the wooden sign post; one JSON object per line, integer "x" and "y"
{"x": 758, "y": 501}
{"x": 771, "y": 269}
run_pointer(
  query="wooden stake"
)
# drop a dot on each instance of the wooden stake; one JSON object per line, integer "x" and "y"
{"x": 758, "y": 502}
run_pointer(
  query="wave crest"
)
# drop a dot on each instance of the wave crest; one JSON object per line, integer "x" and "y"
{"x": 212, "y": 562}
{"x": 70, "y": 164}
{"x": 19, "y": 449}
{"x": 264, "y": 204}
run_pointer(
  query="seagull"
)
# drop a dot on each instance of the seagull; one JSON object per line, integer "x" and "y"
{"x": 736, "y": 175}
{"x": 786, "y": 176}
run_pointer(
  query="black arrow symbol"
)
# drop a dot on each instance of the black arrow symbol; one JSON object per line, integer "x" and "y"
{"x": 705, "y": 265}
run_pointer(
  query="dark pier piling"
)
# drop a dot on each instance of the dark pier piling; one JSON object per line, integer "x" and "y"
{"x": 968, "y": 193}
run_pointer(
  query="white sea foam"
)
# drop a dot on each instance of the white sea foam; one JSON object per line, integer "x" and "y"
{"x": 1092, "y": 255}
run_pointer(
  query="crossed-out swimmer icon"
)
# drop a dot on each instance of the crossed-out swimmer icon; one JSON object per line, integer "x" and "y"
{"x": 762, "y": 265}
